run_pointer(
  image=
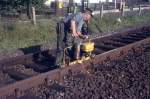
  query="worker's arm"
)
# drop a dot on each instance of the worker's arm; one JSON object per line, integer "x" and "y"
{"x": 79, "y": 27}
{"x": 73, "y": 28}
{"x": 76, "y": 25}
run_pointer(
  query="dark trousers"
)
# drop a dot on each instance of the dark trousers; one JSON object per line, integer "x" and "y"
{"x": 64, "y": 40}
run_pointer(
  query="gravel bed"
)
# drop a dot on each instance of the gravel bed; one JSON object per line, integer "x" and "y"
{"x": 127, "y": 78}
{"x": 24, "y": 70}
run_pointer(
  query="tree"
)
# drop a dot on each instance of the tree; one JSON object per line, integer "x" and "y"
{"x": 18, "y": 4}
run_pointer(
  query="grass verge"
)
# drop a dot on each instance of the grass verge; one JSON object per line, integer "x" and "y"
{"x": 14, "y": 35}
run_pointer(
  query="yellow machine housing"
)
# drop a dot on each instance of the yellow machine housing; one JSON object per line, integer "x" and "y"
{"x": 87, "y": 47}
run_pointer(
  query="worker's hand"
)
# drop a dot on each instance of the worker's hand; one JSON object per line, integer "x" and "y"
{"x": 79, "y": 33}
{"x": 74, "y": 34}
{"x": 83, "y": 36}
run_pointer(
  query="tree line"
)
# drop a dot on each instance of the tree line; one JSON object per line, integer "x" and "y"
{"x": 18, "y": 5}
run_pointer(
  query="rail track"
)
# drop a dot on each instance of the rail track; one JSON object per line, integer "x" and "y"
{"x": 24, "y": 72}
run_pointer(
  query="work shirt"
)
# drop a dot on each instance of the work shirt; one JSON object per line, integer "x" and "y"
{"x": 78, "y": 18}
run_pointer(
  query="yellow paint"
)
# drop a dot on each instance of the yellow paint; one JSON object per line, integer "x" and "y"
{"x": 80, "y": 61}
{"x": 87, "y": 47}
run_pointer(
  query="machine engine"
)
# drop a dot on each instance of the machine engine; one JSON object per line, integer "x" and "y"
{"x": 84, "y": 53}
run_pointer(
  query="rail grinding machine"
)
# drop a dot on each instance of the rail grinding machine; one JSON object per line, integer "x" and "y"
{"x": 79, "y": 53}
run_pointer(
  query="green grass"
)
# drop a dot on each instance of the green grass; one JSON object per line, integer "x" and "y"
{"x": 110, "y": 23}
{"x": 24, "y": 34}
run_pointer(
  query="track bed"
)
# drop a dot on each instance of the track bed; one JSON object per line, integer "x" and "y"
{"x": 36, "y": 70}
{"x": 126, "y": 78}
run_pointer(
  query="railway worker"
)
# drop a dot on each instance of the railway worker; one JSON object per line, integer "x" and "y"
{"x": 70, "y": 32}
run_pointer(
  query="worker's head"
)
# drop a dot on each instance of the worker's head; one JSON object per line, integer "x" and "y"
{"x": 88, "y": 14}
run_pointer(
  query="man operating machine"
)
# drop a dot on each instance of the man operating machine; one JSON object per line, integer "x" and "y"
{"x": 71, "y": 32}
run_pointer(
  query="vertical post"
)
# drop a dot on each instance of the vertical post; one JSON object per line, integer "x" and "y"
{"x": 140, "y": 10}
{"x": 28, "y": 4}
{"x": 115, "y": 4}
{"x": 33, "y": 15}
{"x": 107, "y": 4}
{"x": 122, "y": 10}
{"x": 75, "y": 8}
{"x": 56, "y": 7}
{"x": 95, "y": 6}
{"x": 82, "y": 6}
{"x": 70, "y": 8}
{"x": 87, "y": 3}
{"x": 101, "y": 9}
